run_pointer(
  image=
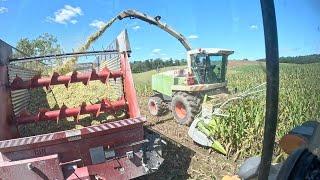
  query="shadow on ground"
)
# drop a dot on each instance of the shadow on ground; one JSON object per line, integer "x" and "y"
{"x": 177, "y": 159}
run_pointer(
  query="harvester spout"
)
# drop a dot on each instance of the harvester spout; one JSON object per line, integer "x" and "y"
{"x": 133, "y": 14}
{"x": 155, "y": 21}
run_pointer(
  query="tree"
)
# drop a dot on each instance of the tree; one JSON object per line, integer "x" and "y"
{"x": 43, "y": 45}
{"x": 177, "y": 62}
{"x": 149, "y": 64}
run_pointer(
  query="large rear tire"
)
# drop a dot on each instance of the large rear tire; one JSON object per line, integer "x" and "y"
{"x": 184, "y": 107}
{"x": 156, "y": 106}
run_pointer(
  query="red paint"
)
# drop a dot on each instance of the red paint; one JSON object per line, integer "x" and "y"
{"x": 51, "y": 153}
{"x": 64, "y": 112}
{"x": 57, "y": 79}
{"x": 8, "y": 129}
{"x": 122, "y": 169}
{"x": 190, "y": 79}
{"x": 117, "y": 138}
{"x": 47, "y": 165}
{"x": 180, "y": 110}
{"x": 153, "y": 108}
{"x": 129, "y": 90}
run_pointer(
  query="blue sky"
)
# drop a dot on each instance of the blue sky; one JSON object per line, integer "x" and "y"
{"x": 231, "y": 24}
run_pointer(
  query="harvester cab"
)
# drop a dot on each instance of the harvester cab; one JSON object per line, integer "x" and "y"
{"x": 208, "y": 65}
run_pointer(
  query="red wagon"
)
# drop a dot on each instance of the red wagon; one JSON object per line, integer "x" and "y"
{"x": 113, "y": 150}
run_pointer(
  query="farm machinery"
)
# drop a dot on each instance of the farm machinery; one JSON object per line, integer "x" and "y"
{"x": 182, "y": 90}
{"x": 118, "y": 149}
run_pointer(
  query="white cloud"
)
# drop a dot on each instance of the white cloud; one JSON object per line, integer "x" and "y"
{"x": 254, "y": 27}
{"x": 193, "y": 36}
{"x": 3, "y": 10}
{"x": 73, "y": 21}
{"x": 66, "y": 15}
{"x": 156, "y": 51}
{"x": 97, "y": 23}
{"x": 136, "y": 27}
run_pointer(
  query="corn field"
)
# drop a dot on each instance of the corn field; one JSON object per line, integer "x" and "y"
{"x": 242, "y": 132}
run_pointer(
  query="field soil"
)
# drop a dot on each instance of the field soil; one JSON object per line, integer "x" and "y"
{"x": 183, "y": 158}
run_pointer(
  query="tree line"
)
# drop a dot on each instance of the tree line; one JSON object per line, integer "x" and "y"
{"x": 48, "y": 44}
{"x": 306, "y": 59}
{"x": 42, "y": 45}
{"x": 151, "y": 64}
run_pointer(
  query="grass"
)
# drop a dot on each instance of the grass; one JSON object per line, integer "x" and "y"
{"x": 299, "y": 101}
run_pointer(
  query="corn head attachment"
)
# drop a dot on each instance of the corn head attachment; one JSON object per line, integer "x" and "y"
{"x": 212, "y": 107}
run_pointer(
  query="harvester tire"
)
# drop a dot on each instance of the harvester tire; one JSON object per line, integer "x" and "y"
{"x": 156, "y": 105}
{"x": 184, "y": 107}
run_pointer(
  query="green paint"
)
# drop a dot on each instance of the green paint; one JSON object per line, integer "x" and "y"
{"x": 162, "y": 83}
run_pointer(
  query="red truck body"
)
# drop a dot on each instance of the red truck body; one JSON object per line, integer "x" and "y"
{"x": 114, "y": 150}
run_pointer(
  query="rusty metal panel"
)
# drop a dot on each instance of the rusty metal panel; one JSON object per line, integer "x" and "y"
{"x": 7, "y": 125}
{"x": 20, "y": 98}
{"x": 5, "y": 52}
{"x": 128, "y": 87}
{"x": 112, "y": 62}
{"x": 123, "y": 42}
{"x": 46, "y": 167}
{"x": 70, "y": 135}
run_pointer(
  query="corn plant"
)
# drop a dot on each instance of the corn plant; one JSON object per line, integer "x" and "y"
{"x": 242, "y": 132}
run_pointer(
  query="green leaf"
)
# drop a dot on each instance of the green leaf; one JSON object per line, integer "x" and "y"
{"x": 218, "y": 147}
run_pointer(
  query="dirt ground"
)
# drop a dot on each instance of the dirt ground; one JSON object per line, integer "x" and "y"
{"x": 183, "y": 158}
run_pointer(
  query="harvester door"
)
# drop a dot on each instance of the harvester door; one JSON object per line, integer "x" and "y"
{"x": 198, "y": 67}
{"x": 214, "y": 69}
{"x": 207, "y": 68}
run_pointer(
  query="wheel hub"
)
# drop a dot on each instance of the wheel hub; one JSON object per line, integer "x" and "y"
{"x": 180, "y": 110}
{"x": 153, "y": 107}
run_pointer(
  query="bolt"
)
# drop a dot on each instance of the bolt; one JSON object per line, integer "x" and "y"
{"x": 30, "y": 166}
{"x": 121, "y": 170}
